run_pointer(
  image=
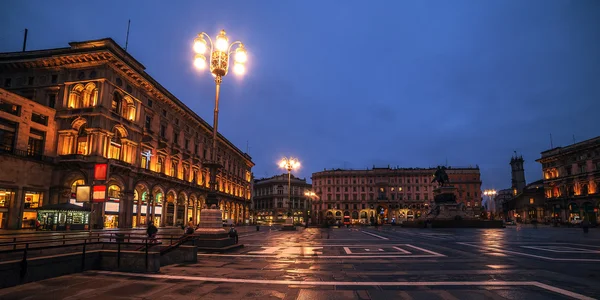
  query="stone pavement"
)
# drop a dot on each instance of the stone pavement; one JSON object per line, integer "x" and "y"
{"x": 362, "y": 263}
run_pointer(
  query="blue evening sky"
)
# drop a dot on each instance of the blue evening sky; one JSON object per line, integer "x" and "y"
{"x": 352, "y": 84}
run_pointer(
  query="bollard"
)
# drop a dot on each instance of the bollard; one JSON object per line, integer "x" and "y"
{"x": 257, "y": 228}
{"x": 118, "y": 254}
{"x": 24, "y": 262}
{"x": 83, "y": 256}
{"x": 146, "y": 254}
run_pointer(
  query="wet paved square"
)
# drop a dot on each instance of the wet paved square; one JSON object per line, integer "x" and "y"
{"x": 362, "y": 263}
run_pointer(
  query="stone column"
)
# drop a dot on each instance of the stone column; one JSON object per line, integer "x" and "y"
{"x": 126, "y": 210}
{"x": 195, "y": 212}
{"x": 174, "y": 212}
{"x": 139, "y": 211}
{"x": 15, "y": 212}
{"x": 163, "y": 215}
{"x": 185, "y": 212}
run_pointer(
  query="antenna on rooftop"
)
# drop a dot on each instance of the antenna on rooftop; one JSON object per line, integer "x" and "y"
{"x": 25, "y": 40}
{"x": 127, "y": 38}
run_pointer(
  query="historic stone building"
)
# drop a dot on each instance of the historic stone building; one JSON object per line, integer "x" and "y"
{"x": 27, "y": 148}
{"x": 529, "y": 204}
{"x": 572, "y": 180}
{"x": 108, "y": 110}
{"x": 271, "y": 201}
{"x": 387, "y": 194}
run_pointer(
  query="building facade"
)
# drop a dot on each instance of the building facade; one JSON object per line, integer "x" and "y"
{"x": 501, "y": 199}
{"x": 384, "y": 195}
{"x": 272, "y": 203}
{"x": 108, "y": 110}
{"x": 529, "y": 204}
{"x": 27, "y": 148}
{"x": 572, "y": 180}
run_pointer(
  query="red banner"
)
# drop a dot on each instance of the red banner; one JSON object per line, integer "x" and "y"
{"x": 99, "y": 193}
{"x": 100, "y": 171}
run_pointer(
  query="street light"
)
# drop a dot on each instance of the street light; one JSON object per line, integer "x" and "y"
{"x": 289, "y": 164}
{"x": 490, "y": 193}
{"x": 219, "y": 53}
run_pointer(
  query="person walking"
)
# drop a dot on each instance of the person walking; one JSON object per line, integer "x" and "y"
{"x": 151, "y": 231}
{"x": 233, "y": 234}
{"x": 585, "y": 224}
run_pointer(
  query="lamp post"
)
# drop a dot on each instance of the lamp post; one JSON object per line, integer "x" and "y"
{"x": 219, "y": 53}
{"x": 289, "y": 164}
{"x": 309, "y": 210}
{"x": 490, "y": 193}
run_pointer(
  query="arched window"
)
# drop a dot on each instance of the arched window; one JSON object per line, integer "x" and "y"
{"x": 128, "y": 110}
{"x": 75, "y": 184}
{"x": 174, "y": 166}
{"x": 90, "y": 95}
{"x": 82, "y": 140}
{"x": 116, "y": 102}
{"x": 160, "y": 165}
{"x": 114, "y": 150}
{"x": 114, "y": 192}
{"x": 75, "y": 96}
{"x": 186, "y": 173}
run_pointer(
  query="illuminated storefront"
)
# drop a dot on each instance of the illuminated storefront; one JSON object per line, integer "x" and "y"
{"x": 111, "y": 207}
{"x": 33, "y": 200}
{"x": 64, "y": 216}
{"x": 6, "y": 197}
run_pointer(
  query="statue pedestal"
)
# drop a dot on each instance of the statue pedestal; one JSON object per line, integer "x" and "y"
{"x": 289, "y": 225}
{"x": 445, "y": 207}
{"x": 210, "y": 235}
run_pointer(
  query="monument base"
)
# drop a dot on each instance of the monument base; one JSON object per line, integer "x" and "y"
{"x": 289, "y": 225}
{"x": 210, "y": 235}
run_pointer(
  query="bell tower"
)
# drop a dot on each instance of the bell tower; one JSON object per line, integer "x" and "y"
{"x": 517, "y": 173}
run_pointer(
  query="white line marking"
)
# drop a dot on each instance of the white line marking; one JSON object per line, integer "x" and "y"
{"x": 320, "y": 256}
{"x": 426, "y": 251}
{"x": 354, "y": 283}
{"x": 379, "y": 250}
{"x": 558, "y": 250}
{"x": 532, "y": 255}
{"x": 401, "y": 250}
{"x": 377, "y": 236}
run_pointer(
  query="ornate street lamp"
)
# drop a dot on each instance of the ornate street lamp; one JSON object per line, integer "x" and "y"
{"x": 219, "y": 56}
{"x": 289, "y": 164}
{"x": 491, "y": 194}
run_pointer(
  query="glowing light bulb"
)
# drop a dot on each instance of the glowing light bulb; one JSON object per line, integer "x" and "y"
{"x": 199, "y": 45}
{"x": 200, "y": 62}
{"x": 239, "y": 69}
{"x": 240, "y": 55}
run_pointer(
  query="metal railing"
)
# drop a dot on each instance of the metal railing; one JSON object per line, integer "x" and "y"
{"x": 119, "y": 239}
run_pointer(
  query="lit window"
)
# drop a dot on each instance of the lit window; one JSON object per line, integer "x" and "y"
{"x": 114, "y": 150}
{"x": 82, "y": 141}
{"x": 530, "y": 200}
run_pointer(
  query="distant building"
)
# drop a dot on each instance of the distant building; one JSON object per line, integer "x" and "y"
{"x": 386, "y": 194}
{"x": 572, "y": 180}
{"x": 529, "y": 204}
{"x": 517, "y": 174}
{"x": 502, "y": 197}
{"x": 271, "y": 201}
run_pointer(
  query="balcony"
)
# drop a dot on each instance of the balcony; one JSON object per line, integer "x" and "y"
{"x": 26, "y": 154}
{"x": 73, "y": 157}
